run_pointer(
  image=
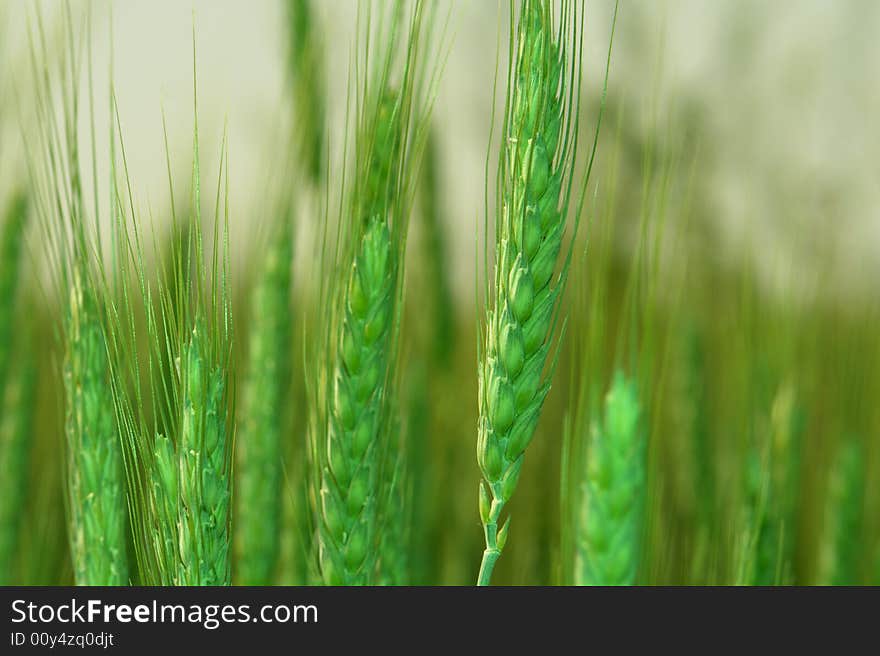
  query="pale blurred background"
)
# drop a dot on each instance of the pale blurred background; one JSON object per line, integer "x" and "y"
{"x": 778, "y": 101}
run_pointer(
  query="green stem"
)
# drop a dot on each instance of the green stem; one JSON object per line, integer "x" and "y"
{"x": 492, "y": 551}
{"x": 490, "y": 557}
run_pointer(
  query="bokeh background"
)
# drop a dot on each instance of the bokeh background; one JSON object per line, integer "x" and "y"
{"x": 779, "y": 101}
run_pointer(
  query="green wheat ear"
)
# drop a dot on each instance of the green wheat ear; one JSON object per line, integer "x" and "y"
{"x": 754, "y": 522}
{"x": 844, "y": 518}
{"x": 16, "y": 392}
{"x": 536, "y": 170}
{"x": 258, "y": 498}
{"x": 349, "y": 499}
{"x": 305, "y": 70}
{"x": 774, "y": 542}
{"x": 178, "y": 457}
{"x": 610, "y": 532}
{"x": 384, "y": 140}
{"x": 16, "y": 421}
{"x": 11, "y": 240}
{"x": 170, "y": 346}
{"x": 203, "y": 483}
{"x": 95, "y": 478}
{"x": 352, "y": 450}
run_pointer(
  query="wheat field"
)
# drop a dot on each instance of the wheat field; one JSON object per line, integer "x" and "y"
{"x": 475, "y": 294}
